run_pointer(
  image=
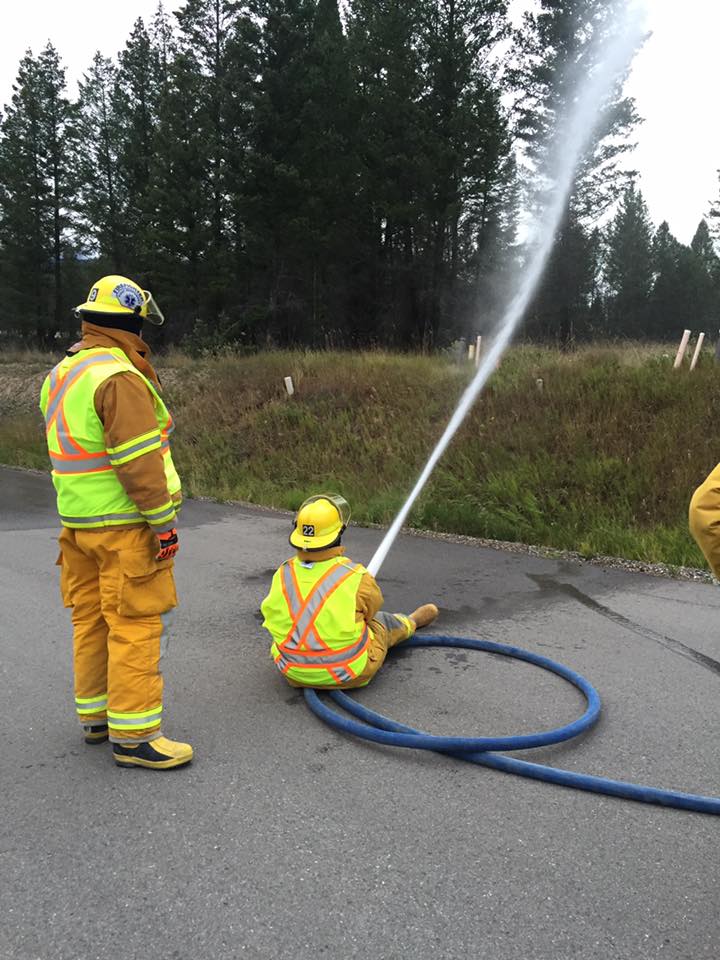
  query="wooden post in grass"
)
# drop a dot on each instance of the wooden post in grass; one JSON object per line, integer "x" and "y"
{"x": 289, "y": 386}
{"x": 681, "y": 349}
{"x": 698, "y": 348}
{"x": 471, "y": 351}
{"x": 478, "y": 348}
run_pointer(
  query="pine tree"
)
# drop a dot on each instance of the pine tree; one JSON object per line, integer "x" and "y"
{"x": 37, "y": 198}
{"x": 204, "y": 40}
{"x": 276, "y": 199}
{"x": 557, "y": 46}
{"x": 707, "y": 271}
{"x": 101, "y": 135}
{"x": 629, "y": 267}
{"x": 142, "y": 80}
{"x": 468, "y": 143}
{"x": 385, "y": 51}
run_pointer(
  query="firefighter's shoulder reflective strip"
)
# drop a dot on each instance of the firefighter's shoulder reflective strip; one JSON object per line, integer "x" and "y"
{"x": 131, "y": 449}
{"x": 134, "y": 721}
{"x": 97, "y": 704}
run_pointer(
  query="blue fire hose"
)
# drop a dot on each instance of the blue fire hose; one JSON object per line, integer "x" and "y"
{"x": 374, "y": 726}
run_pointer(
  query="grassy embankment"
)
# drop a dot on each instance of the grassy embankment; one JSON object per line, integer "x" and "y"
{"x": 603, "y": 461}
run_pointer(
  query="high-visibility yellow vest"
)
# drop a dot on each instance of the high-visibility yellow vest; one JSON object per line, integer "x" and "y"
{"x": 310, "y": 612}
{"x": 89, "y": 493}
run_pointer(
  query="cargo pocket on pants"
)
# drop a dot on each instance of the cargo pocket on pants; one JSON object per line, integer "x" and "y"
{"x": 64, "y": 581}
{"x": 147, "y": 586}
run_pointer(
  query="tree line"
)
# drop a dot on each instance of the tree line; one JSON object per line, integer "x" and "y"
{"x": 302, "y": 172}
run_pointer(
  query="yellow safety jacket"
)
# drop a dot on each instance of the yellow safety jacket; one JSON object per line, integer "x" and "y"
{"x": 89, "y": 493}
{"x": 310, "y": 613}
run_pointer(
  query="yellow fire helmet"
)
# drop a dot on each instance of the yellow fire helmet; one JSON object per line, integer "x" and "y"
{"x": 119, "y": 295}
{"x": 320, "y": 521}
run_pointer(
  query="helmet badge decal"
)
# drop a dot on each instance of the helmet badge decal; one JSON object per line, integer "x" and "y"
{"x": 93, "y": 295}
{"x": 308, "y": 529}
{"x": 128, "y": 296}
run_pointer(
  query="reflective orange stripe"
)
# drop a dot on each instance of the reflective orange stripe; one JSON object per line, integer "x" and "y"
{"x": 305, "y": 603}
{"x": 322, "y": 604}
{"x": 61, "y": 386}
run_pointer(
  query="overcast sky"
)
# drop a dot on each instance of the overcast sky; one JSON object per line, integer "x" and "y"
{"x": 674, "y": 80}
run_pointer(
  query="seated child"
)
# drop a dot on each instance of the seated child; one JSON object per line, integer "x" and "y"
{"x": 323, "y": 611}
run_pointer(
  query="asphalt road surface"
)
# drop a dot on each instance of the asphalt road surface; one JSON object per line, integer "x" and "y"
{"x": 285, "y": 839}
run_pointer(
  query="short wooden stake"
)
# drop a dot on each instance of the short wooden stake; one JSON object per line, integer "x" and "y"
{"x": 478, "y": 348}
{"x": 698, "y": 348}
{"x": 471, "y": 351}
{"x": 681, "y": 349}
{"x": 540, "y": 384}
{"x": 289, "y": 386}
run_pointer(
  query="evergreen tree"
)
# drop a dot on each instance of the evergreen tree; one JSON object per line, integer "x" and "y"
{"x": 629, "y": 267}
{"x": 205, "y": 32}
{"x": 468, "y": 145}
{"x": 38, "y": 195}
{"x": 100, "y": 140}
{"x": 558, "y": 45}
{"x": 436, "y": 152}
{"x": 276, "y": 198}
{"x": 684, "y": 294}
{"x": 384, "y": 39}
{"x": 142, "y": 71}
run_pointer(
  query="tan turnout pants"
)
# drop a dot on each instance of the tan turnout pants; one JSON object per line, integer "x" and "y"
{"x": 386, "y": 630}
{"x": 705, "y": 519}
{"x": 120, "y": 596}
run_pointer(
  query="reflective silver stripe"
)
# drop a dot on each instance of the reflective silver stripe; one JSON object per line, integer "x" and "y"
{"x": 80, "y": 464}
{"x": 317, "y": 596}
{"x": 136, "y": 448}
{"x": 71, "y": 377}
{"x": 157, "y": 517}
{"x": 281, "y": 662}
{"x": 139, "y": 722}
{"x": 95, "y": 707}
{"x": 293, "y": 596}
{"x": 296, "y": 603}
{"x": 102, "y": 519}
{"x": 343, "y": 675}
{"x": 337, "y": 656}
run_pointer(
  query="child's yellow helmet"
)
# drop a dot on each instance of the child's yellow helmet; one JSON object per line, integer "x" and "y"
{"x": 320, "y": 521}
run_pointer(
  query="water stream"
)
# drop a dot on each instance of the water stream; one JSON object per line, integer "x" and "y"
{"x": 613, "y": 60}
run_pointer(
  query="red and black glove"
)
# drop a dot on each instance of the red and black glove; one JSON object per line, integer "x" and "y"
{"x": 168, "y": 543}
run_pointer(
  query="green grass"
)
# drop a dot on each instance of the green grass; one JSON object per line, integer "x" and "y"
{"x": 603, "y": 461}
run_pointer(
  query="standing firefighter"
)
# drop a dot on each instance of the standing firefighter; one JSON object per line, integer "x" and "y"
{"x": 117, "y": 496}
{"x": 323, "y": 611}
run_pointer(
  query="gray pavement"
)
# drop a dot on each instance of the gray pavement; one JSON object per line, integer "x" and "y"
{"x": 287, "y": 840}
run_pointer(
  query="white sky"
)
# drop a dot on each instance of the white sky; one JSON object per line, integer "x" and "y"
{"x": 674, "y": 80}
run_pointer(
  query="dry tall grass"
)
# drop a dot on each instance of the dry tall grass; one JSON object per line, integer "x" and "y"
{"x": 603, "y": 460}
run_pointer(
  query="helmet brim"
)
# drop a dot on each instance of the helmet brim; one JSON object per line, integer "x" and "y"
{"x": 94, "y": 307}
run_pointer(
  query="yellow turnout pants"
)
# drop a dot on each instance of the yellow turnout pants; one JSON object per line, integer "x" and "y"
{"x": 705, "y": 519}
{"x": 119, "y": 595}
